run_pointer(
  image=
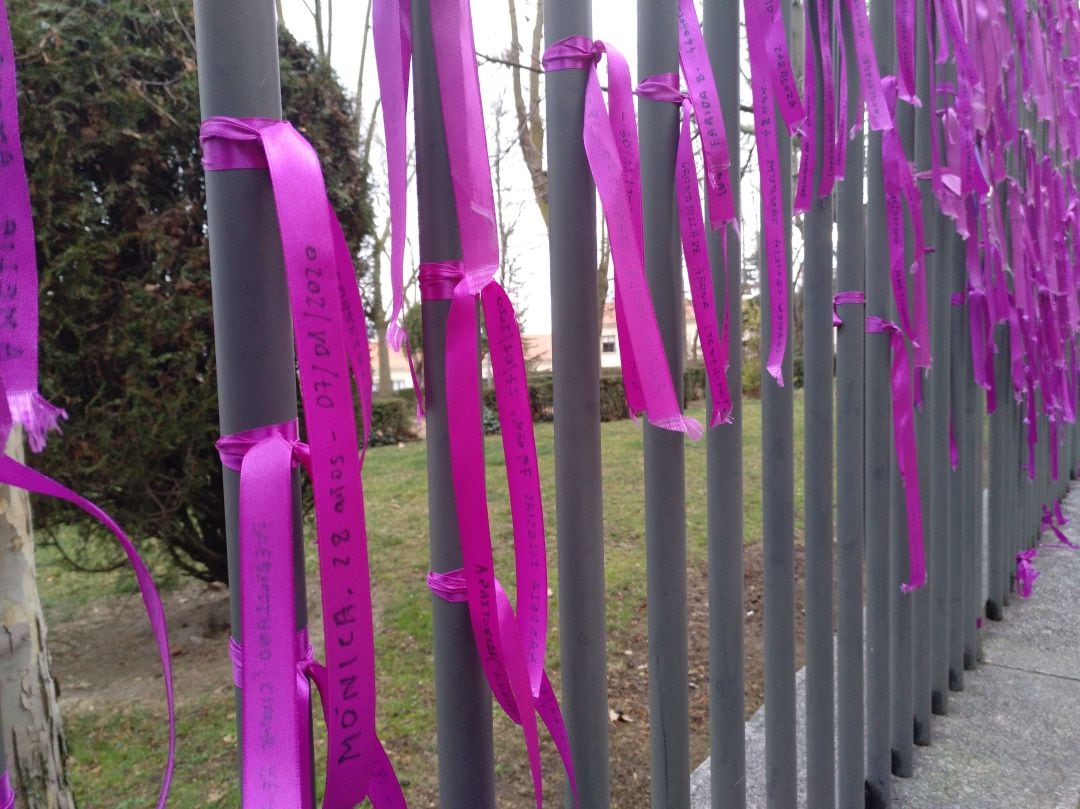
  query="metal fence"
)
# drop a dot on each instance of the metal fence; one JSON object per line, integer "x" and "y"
{"x": 941, "y": 236}
{"x": 981, "y": 229}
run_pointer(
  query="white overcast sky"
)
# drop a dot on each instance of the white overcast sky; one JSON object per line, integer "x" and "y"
{"x": 614, "y": 21}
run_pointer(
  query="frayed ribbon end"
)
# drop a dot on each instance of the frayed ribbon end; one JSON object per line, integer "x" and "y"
{"x": 36, "y": 415}
{"x": 911, "y": 587}
{"x": 681, "y": 424}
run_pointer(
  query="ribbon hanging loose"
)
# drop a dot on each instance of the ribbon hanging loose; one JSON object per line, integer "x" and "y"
{"x": 713, "y": 328}
{"x": 13, "y": 473}
{"x": 20, "y": 401}
{"x": 511, "y": 644}
{"x": 903, "y": 407}
{"x": 18, "y": 267}
{"x": 769, "y": 65}
{"x": 611, "y": 146}
{"x": 331, "y": 350}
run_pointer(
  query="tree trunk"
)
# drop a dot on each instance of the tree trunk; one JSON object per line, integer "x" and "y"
{"x": 33, "y": 734}
{"x": 386, "y": 384}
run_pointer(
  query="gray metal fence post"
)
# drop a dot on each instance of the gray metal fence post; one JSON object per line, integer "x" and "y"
{"x": 957, "y": 508}
{"x": 818, "y": 461}
{"x": 665, "y": 495}
{"x": 879, "y": 579}
{"x": 922, "y": 632}
{"x": 778, "y": 525}
{"x": 940, "y": 576}
{"x": 1000, "y": 467}
{"x": 724, "y": 458}
{"x": 578, "y": 472}
{"x": 463, "y": 719}
{"x": 850, "y": 470}
{"x": 237, "y": 54}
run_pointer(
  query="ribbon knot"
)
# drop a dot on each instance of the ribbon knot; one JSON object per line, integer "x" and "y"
{"x": 233, "y": 448}
{"x": 842, "y": 298}
{"x": 450, "y": 586}
{"x": 573, "y": 53}
{"x": 661, "y": 87}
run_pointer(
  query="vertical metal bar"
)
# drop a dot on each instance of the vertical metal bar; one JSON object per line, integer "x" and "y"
{"x": 902, "y": 606}
{"x": 237, "y": 53}
{"x": 879, "y": 580}
{"x": 999, "y": 469}
{"x": 969, "y": 436}
{"x": 850, "y": 461}
{"x": 3, "y": 747}
{"x": 665, "y": 495}
{"x": 463, "y": 729}
{"x": 976, "y": 406}
{"x": 818, "y": 461}
{"x": 579, "y": 512}
{"x": 724, "y": 457}
{"x": 956, "y": 505}
{"x": 940, "y": 577}
{"x": 921, "y": 599}
{"x": 778, "y": 527}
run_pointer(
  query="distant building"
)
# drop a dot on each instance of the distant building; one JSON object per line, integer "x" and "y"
{"x": 400, "y": 376}
{"x": 609, "y": 337}
{"x": 538, "y": 354}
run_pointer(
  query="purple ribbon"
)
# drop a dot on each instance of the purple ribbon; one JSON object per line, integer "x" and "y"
{"x": 770, "y": 66}
{"x": 20, "y": 402}
{"x": 331, "y": 347}
{"x": 7, "y": 794}
{"x": 1026, "y": 574}
{"x": 713, "y": 328}
{"x": 511, "y": 643}
{"x": 843, "y": 298}
{"x": 16, "y": 474}
{"x": 903, "y": 414}
{"x": 611, "y": 147}
{"x": 1048, "y": 522}
{"x": 18, "y": 267}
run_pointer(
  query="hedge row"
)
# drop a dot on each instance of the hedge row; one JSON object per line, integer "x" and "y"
{"x": 392, "y": 418}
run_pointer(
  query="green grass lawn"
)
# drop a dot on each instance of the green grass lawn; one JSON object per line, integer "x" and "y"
{"x": 116, "y": 756}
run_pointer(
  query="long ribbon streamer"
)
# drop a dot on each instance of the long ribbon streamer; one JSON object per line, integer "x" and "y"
{"x": 20, "y": 402}
{"x": 772, "y": 81}
{"x": 328, "y": 331}
{"x": 611, "y": 146}
{"x": 18, "y": 267}
{"x": 7, "y": 794}
{"x": 903, "y": 407}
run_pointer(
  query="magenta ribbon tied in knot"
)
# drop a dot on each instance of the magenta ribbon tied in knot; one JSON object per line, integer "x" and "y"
{"x": 331, "y": 349}
{"x": 903, "y": 409}
{"x": 611, "y": 147}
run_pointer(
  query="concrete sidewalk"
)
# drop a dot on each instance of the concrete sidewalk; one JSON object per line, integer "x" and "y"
{"x": 1012, "y": 737}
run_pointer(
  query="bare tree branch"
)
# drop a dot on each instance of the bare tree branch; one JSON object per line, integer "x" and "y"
{"x": 496, "y": 60}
